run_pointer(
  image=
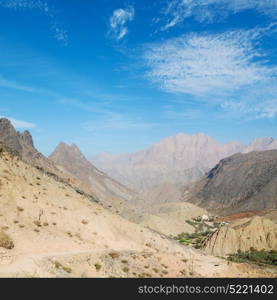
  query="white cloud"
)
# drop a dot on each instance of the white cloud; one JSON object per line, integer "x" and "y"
{"x": 208, "y": 64}
{"x": 93, "y": 106}
{"x": 60, "y": 34}
{"x": 105, "y": 118}
{"x": 18, "y": 124}
{"x": 14, "y": 85}
{"x": 117, "y": 122}
{"x": 118, "y": 20}
{"x": 11, "y": 84}
{"x": 252, "y": 110}
{"x": 174, "y": 114}
{"x": 208, "y": 11}
{"x": 30, "y": 4}
{"x": 267, "y": 109}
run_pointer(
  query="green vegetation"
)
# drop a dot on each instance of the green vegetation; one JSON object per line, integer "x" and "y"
{"x": 124, "y": 261}
{"x": 20, "y": 209}
{"x": 126, "y": 269}
{"x": 5, "y": 241}
{"x": 144, "y": 275}
{"x": 202, "y": 229}
{"x": 98, "y": 266}
{"x": 255, "y": 256}
{"x": 190, "y": 222}
{"x": 58, "y": 265}
{"x": 195, "y": 239}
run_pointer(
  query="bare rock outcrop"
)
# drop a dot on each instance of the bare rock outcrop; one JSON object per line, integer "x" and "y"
{"x": 256, "y": 232}
{"x": 241, "y": 182}
{"x": 69, "y": 159}
{"x": 23, "y": 144}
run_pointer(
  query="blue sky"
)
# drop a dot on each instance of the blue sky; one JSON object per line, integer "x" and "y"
{"x": 118, "y": 76}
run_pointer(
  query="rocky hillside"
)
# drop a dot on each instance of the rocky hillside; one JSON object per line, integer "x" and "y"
{"x": 179, "y": 159}
{"x": 23, "y": 144}
{"x": 238, "y": 183}
{"x": 243, "y": 234}
{"x": 69, "y": 159}
{"x": 82, "y": 239}
{"x": 72, "y": 168}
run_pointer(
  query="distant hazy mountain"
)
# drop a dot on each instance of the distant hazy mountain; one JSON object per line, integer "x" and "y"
{"x": 261, "y": 144}
{"x": 70, "y": 160}
{"x": 180, "y": 159}
{"x": 241, "y": 182}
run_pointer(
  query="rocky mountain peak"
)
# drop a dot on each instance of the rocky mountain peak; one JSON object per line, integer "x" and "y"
{"x": 22, "y": 144}
{"x": 27, "y": 138}
{"x": 66, "y": 152}
{"x": 14, "y": 139}
{"x": 9, "y": 136}
{"x": 70, "y": 159}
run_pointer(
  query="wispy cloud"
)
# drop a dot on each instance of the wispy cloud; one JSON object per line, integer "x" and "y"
{"x": 17, "y": 86}
{"x": 118, "y": 21}
{"x": 12, "y": 84}
{"x": 208, "y": 64}
{"x": 117, "y": 122}
{"x": 106, "y": 118}
{"x": 176, "y": 11}
{"x": 19, "y": 124}
{"x": 185, "y": 114}
{"x": 92, "y": 106}
{"x": 59, "y": 33}
{"x": 252, "y": 111}
{"x": 31, "y": 4}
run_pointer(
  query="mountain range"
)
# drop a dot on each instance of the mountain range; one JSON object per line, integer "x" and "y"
{"x": 70, "y": 160}
{"x": 241, "y": 182}
{"x": 47, "y": 229}
{"x": 50, "y": 228}
{"x": 93, "y": 226}
{"x": 179, "y": 159}
{"x": 68, "y": 164}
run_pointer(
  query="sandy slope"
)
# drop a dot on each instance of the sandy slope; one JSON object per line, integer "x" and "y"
{"x": 170, "y": 218}
{"x": 58, "y": 232}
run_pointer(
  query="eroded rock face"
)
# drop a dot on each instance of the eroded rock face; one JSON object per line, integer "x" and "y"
{"x": 23, "y": 144}
{"x": 238, "y": 183}
{"x": 257, "y": 232}
{"x": 27, "y": 138}
{"x": 70, "y": 160}
{"x": 9, "y": 136}
{"x": 68, "y": 163}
